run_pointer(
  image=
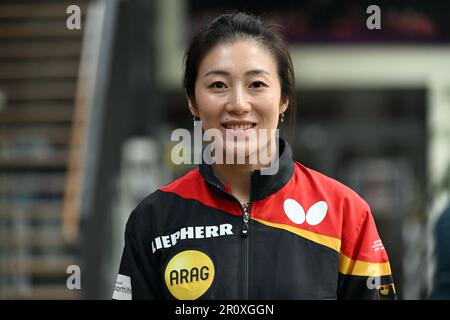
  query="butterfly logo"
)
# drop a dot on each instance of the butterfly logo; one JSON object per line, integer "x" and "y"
{"x": 315, "y": 214}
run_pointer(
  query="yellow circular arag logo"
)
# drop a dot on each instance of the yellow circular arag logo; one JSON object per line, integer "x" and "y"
{"x": 189, "y": 274}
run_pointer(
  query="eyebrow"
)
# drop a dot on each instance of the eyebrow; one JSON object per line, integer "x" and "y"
{"x": 226, "y": 73}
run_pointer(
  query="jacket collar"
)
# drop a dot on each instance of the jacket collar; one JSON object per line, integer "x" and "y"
{"x": 262, "y": 185}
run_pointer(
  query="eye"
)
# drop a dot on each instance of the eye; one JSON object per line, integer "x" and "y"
{"x": 258, "y": 84}
{"x": 217, "y": 85}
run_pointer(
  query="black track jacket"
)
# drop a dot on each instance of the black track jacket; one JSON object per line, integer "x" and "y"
{"x": 308, "y": 237}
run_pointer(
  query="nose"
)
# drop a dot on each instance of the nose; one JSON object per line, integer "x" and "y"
{"x": 238, "y": 101}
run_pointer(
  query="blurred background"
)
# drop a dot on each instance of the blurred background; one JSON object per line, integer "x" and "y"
{"x": 86, "y": 116}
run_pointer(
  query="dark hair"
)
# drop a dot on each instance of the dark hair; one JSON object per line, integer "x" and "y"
{"x": 236, "y": 26}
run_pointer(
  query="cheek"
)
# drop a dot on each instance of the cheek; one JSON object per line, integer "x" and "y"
{"x": 269, "y": 110}
{"x": 209, "y": 109}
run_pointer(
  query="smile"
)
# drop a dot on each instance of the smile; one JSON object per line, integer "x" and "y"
{"x": 239, "y": 125}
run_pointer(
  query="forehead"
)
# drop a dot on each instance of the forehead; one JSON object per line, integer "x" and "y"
{"x": 238, "y": 56}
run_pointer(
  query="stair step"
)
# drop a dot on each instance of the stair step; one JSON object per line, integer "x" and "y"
{"x": 49, "y": 30}
{"x": 53, "y": 264}
{"x": 11, "y": 184}
{"x": 41, "y": 49}
{"x": 41, "y": 293}
{"x": 42, "y": 10}
{"x": 38, "y": 210}
{"x": 38, "y": 70}
{"x": 38, "y": 264}
{"x": 36, "y": 114}
{"x": 56, "y": 163}
{"x": 56, "y": 135}
{"x": 48, "y": 90}
{"x": 34, "y": 237}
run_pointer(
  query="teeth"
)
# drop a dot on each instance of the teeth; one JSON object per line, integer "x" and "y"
{"x": 239, "y": 126}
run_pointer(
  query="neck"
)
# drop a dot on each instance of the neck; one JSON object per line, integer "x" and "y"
{"x": 237, "y": 177}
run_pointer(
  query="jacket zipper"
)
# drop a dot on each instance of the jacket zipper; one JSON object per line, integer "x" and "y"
{"x": 245, "y": 233}
{"x": 245, "y": 230}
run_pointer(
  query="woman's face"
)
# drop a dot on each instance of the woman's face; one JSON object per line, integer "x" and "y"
{"x": 238, "y": 90}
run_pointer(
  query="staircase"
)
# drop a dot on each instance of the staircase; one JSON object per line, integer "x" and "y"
{"x": 39, "y": 59}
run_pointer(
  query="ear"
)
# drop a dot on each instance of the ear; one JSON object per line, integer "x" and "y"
{"x": 192, "y": 106}
{"x": 284, "y": 104}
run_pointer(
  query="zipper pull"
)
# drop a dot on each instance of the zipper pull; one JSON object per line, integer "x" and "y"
{"x": 245, "y": 229}
{"x": 245, "y": 217}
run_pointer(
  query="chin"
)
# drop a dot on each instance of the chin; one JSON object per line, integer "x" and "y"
{"x": 250, "y": 153}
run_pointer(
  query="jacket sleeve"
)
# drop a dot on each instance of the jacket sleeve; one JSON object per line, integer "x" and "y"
{"x": 138, "y": 277}
{"x": 364, "y": 269}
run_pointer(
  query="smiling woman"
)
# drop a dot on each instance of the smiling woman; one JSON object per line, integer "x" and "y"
{"x": 239, "y": 79}
{"x": 291, "y": 234}
{"x": 238, "y": 92}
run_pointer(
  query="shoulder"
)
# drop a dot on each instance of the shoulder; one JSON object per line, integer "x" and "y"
{"x": 190, "y": 179}
{"x": 351, "y": 213}
{"x": 157, "y": 202}
{"x": 344, "y": 202}
{"x": 317, "y": 180}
